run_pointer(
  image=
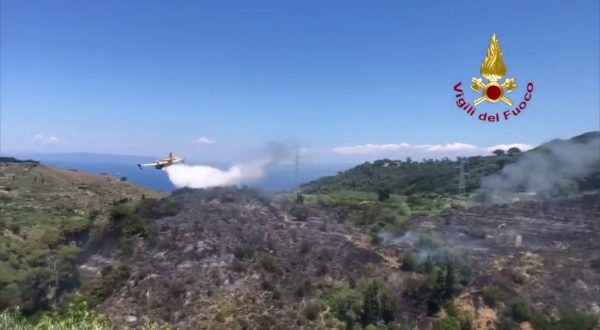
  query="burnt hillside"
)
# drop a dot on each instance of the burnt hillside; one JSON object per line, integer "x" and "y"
{"x": 231, "y": 259}
{"x": 228, "y": 259}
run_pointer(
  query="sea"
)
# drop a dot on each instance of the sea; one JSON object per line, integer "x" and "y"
{"x": 279, "y": 178}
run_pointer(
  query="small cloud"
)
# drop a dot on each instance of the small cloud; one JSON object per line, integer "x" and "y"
{"x": 388, "y": 148}
{"x": 505, "y": 147}
{"x": 204, "y": 141}
{"x": 371, "y": 149}
{"x": 436, "y": 149}
{"x": 46, "y": 140}
{"x": 457, "y": 146}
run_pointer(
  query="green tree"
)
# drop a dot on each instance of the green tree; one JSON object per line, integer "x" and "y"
{"x": 10, "y": 296}
{"x": 371, "y": 307}
{"x": 448, "y": 323}
{"x": 450, "y": 284}
{"x": 513, "y": 151}
{"x": 383, "y": 194}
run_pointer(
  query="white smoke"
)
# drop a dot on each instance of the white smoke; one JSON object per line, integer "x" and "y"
{"x": 203, "y": 176}
{"x": 557, "y": 164}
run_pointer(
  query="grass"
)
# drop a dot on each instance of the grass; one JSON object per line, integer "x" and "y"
{"x": 75, "y": 316}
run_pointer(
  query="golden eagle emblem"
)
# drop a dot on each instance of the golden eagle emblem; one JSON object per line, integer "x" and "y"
{"x": 493, "y": 69}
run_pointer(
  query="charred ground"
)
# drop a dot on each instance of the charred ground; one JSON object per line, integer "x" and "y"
{"x": 232, "y": 258}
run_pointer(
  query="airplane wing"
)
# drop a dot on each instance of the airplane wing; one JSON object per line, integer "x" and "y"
{"x": 149, "y": 164}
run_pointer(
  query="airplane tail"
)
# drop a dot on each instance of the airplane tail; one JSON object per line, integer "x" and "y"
{"x": 140, "y": 166}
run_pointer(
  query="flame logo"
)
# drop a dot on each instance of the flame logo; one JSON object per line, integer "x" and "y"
{"x": 493, "y": 67}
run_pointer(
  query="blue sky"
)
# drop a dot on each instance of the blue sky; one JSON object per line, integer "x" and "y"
{"x": 148, "y": 77}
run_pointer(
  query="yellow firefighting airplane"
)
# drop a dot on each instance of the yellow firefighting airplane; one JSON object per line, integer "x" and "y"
{"x": 159, "y": 164}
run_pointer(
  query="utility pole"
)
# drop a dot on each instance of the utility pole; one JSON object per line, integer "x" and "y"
{"x": 297, "y": 161}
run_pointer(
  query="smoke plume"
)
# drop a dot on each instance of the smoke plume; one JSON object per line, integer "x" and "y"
{"x": 554, "y": 165}
{"x": 202, "y": 176}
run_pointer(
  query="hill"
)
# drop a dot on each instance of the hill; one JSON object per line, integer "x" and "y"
{"x": 442, "y": 176}
{"x": 46, "y": 216}
{"x": 233, "y": 259}
{"x": 229, "y": 258}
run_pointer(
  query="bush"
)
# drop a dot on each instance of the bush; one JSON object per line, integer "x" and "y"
{"x": 448, "y": 323}
{"x": 244, "y": 251}
{"x": 69, "y": 254}
{"x": 574, "y": 320}
{"x": 383, "y": 194}
{"x": 269, "y": 263}
{"x": 300, "y": 212}
{"x": 75, "y": 225}
{"x": 429, "y": 241}
{"x": 311, "y": 310}
{"x": 491, "y": 296}
{"x": 10, "y": 295}
{"x": 450, "y": 308}
{"x": 466, "y": 322}
{"x": 153, "y": 209}
{"x": 305, "y": 247}
{"x": 409, "y": 262}
{"x": 521, "y": 310}
{"x": 347, "y": 305}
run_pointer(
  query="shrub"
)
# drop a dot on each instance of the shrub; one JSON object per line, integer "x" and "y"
{"x": 375, "y": 239}
{"x": 409, "y": 262}
{"x": 75, "y": 225}
{"x": 429, "y": 241}
{"x": 491, "y": 296}
{"x": 450, "y": 308}
{"x": 69, "y": 254}
{"x": 574, "y": 320}
{"x": 10, "y": 295}
{"x": 153, "y": 209}
{"x": 346, "y": 304}
{"x": 311, "y": 310}
{"x": 300, "y": 212}
{"x": 303, "y": 289}
{"x": 466, "y": 322}
{"x": 269, "y": 263}
{"x": 244, "y": 251}
{"x": 305, "y": 247}
{"x": 521, "y": 310}
{"x": 383, "y": 194}
{"x": 448, "y": 323}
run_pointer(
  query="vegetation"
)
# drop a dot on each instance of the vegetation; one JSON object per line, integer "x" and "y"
{"x": 409, "y": 177}
{"x": 431, "y": 177}
{"x": 49, "y": 222}
{"x": 491, "y": 296}
{"x": 448, "y": 323}
{"x": 76, "y": 316}
{"x": 521, "y": 310}
{"x": 370, "y": 302}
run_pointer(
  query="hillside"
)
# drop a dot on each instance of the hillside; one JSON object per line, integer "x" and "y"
{"x": 442, "y": 176}
{"x": 232, "y": 259}
{"x": 229, "y": 258}
{"x": 46, "y": 216}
